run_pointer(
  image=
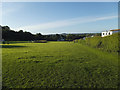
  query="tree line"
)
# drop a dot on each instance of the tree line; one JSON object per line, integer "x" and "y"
{"x": 11, "y": 35}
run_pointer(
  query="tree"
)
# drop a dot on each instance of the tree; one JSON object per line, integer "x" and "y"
{"x": 38, "y": 36}
{"x": 20, "y": 31}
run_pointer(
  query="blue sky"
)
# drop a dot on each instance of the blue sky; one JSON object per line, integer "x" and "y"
{"x": 60, "y": 17}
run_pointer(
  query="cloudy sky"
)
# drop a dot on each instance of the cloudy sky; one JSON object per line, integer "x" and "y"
{"x": 60, "y": 17}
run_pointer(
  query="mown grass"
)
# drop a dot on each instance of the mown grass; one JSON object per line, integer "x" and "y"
{"x": 58, "y": 65}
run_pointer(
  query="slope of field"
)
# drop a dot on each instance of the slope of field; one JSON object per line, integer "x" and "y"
{"x": 108, "y": 43}
{"x": 57, "y": 64}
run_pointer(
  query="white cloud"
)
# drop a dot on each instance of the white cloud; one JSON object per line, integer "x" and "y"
{"x": 63, "y": 23}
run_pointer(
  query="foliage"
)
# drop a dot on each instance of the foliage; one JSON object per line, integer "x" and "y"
{"x": 11, "y": 35}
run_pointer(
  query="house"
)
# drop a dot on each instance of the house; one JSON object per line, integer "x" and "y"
{"x": 61, "y": 39}
{"x": 92, "y": 36}
{"x": 84, "y": 38}
{"x": 110, "y": 32}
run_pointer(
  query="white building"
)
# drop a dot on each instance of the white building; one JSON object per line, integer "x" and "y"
{"x": 110, "y": 32}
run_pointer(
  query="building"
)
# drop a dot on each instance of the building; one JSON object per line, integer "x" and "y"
{"x": 84, "y": 38}
{"x": 92, "y": 36}
{"x": 61, "y": 39}
{"x": 110, "y": 32}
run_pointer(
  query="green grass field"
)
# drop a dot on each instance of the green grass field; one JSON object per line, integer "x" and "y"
{"x": 57, "y": 65}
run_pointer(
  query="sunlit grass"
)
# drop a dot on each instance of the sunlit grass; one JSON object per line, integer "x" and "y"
{"x": 58, "y": 64}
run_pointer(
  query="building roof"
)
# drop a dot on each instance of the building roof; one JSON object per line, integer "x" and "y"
{"x": 115, "y": 30}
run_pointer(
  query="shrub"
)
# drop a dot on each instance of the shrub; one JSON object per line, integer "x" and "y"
{"x": 3, "y": 42}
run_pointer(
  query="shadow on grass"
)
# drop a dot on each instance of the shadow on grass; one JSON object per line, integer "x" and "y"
{"x": 10, "y": 46}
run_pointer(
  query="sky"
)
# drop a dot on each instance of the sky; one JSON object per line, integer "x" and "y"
{"x": 60, "y": 17}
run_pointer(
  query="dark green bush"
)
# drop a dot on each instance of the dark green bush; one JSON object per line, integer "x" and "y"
{"x": 3, "y": 42}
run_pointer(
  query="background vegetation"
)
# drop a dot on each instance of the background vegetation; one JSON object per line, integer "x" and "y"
{"x": 11, "y": 35}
